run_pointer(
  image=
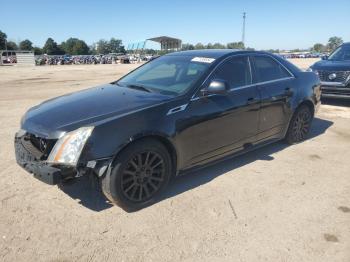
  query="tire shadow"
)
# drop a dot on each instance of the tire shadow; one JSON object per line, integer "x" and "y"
{"x": 87, "y": 190}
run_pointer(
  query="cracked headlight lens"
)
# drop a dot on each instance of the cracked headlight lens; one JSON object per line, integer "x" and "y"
{"x": 68, "y": 148}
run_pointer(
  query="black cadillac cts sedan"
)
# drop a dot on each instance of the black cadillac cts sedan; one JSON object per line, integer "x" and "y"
{"x": 176, "y": 113}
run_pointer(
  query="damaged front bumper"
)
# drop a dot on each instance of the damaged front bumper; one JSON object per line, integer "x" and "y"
{"x": 53, "y": 174}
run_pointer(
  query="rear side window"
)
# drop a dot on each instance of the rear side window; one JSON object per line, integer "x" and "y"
{"x": 235, "y": 71}
{"x": 267, "y": 69}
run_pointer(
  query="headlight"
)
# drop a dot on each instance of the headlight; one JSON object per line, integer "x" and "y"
{"x": 310, "y": 69}
{"x": 68, "y": 148}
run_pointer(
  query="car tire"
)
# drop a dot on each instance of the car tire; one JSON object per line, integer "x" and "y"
{"x": 299, "y": 125}
{"x": 138, "y": 175}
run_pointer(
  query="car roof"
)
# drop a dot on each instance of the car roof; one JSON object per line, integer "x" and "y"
{"x": 211, "y": 53}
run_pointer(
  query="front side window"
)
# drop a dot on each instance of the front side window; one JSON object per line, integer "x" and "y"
{"x": 235, "y": 71}
{"x": 267, "y": 69}
{"x": 340, "y": 54}
{"x": 172, "y": 75}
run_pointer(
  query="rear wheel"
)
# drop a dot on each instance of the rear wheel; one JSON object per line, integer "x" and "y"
{"x": 299, "y": 125}
{"x": 138, "y": 175}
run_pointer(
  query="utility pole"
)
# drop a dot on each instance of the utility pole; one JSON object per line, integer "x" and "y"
{"x": 243, "y": 29}
{"x": 7, "y": 54}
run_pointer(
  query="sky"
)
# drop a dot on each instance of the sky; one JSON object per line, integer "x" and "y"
{"x": 279, "y": 24}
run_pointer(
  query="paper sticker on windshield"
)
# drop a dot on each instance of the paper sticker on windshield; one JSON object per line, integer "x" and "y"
{"x": 203, "y": 60}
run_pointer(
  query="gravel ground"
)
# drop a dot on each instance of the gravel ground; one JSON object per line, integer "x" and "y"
{"x": 279, "y": 203}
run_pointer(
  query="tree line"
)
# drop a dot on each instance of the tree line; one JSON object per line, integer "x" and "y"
{"x": 75, "y": 46}
{"x": 332, "y": 44}
{"x": 72, "y": 46}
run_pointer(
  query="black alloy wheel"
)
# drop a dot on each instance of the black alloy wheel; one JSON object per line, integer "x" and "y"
{"x": 143, "y": 176}
{"x": 299, "y": 126}
{"x": 138, "y": 175}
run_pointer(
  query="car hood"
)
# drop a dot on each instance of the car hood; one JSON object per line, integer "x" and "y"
{"x": 83, "y": 108}
{"x": 332, "y": 65}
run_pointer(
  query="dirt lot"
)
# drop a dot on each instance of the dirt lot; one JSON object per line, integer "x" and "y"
{"x": 280, "y": 203}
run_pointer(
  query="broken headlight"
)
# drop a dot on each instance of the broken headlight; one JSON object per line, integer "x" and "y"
{"x": 68, "y": 148}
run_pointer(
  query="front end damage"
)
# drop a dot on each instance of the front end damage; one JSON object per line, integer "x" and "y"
{"x": 33, "y": 153}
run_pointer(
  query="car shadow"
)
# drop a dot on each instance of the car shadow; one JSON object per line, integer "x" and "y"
{"x": 90, "y": 196}
{"x": 336, "y": 102}
{"x": 194, "y": 179}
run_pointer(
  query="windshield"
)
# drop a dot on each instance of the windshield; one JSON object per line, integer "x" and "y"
{"x": 341, "y": 53}
{"x": 171, "y": 75}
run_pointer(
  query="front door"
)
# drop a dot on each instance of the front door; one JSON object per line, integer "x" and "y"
{"x": 218, "y": 125}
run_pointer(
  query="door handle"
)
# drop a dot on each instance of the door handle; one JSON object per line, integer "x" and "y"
{"x": 251, "y": 100}
{"x": 288, "y": 92}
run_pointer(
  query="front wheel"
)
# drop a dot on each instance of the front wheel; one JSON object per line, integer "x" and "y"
{"x": 299, "y": 125}
{"x": 138, "y": 175}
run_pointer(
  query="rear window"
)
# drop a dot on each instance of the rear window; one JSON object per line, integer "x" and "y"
{"x": 267, "y": 69}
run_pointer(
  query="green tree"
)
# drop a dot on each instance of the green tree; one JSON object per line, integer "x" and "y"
{"x": 11, "y": 45}
{"x": 319, "y": 48}
{"x": 51, "y": 48}
{"x": 209, "y": 46}
{"x": 37, "y": 50}
{"x": 334, "y": 42}
{"x": 235, "y": 45}
{"x": 112, "y": 46}
{"x": 75, "y": 46}
{"x": 199, "y": 46}
{"x": 102, "y": 47}
{"x": 219, "y": 46}
{"x": 150, "y": 51}
{"x": 187, "y": 47}
{"x": 116, "y": 46}
{"x": 3, "y": 38}
{"x": 26, "y": 45}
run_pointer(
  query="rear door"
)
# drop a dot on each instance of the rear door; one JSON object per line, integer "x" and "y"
{"x": 275, "y": 84}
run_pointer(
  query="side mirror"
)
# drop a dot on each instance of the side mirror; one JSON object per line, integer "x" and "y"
{"x": 216, "y": 87}
{"x": 325, "y": 57}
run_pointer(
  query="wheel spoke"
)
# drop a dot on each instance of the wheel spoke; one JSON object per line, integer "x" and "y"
{"x": 146, "y": 190}
{"x": 132, "y": 162}
{"x": 157, "y": 164}
{"x": 140, "y": 193}
{"x": 139, "y": 160}
{"x": 127, "y": 180}
{"x": 129, "y": 172}
{"x": 152, "y": 159}
{"x": 133, "y": 193}
{"x": 152, "y": 185}
{"x": 147, "y": 157}
{"x": 129, "y": 188}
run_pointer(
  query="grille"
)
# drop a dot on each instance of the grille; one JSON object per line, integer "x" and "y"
{"x": 341, "y": 76}
{"x": 39, "y": 147}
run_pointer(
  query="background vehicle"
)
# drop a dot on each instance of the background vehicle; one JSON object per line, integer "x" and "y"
{"x": 334, "y": 72}
{"x": 178, "y": 112}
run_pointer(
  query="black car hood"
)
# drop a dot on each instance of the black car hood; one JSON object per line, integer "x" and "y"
{"x": 71, "y": 111}
{"x": 332, "y": 65}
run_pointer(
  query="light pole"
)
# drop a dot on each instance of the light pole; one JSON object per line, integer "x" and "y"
{"x": 243, "y": 28}
{"x": 7, "y": 55}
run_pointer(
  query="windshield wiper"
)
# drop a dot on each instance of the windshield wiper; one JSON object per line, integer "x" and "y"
{"x": 139, "y": 87}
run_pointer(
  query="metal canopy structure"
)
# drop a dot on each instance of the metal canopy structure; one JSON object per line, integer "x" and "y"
{"x": 167, "y": 43}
